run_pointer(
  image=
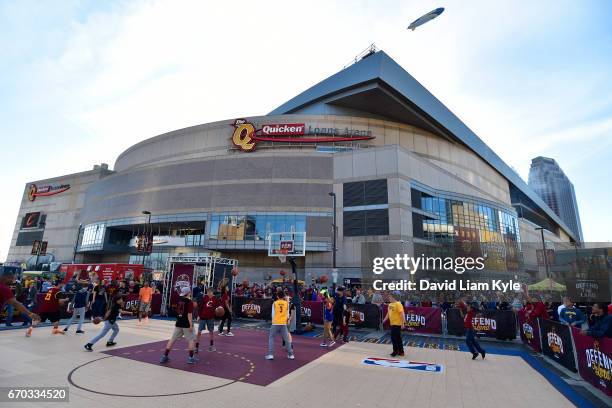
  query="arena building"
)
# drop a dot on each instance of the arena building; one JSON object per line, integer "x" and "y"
{"x": 402, "y": 166}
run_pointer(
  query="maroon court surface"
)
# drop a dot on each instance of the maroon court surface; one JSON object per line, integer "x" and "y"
{"x": 237, "y": 358}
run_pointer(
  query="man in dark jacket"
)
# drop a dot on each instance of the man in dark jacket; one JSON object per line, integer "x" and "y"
{"x": 600, "y": 324}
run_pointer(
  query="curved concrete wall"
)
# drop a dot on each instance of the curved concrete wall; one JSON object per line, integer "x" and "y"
{"x": 199, "y": 169}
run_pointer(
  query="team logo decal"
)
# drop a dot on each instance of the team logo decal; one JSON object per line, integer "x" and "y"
{"x": 306, "y": 311}
{"x": 407, "y": 365}
{"x": 182, "y": 281}
{"x": 357, "y": 317}
{"x": 245, "y": 136}
{"x": 251, "y": 309}
{"x": 528, "y": 330}
{"x": 600, "y": 363}
{"x": 415, "y": 320}
{"x": 555, "y": 343}
{"x": 484, "y": 324}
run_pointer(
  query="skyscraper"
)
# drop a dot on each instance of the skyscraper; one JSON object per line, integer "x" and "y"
{"x": 550, "y": 182}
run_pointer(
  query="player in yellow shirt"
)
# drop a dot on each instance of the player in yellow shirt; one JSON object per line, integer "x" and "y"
{"x": 280, "y": 317}
{"x": 397, "y": 318}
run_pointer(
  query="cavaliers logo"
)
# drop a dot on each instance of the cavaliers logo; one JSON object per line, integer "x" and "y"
{"x": 600, "y": 363}
{"x": 357, "y": 317}
{"x": 555, "y": 343}
{"x": 182, "y": 281}
{"x": 32, "y": 192}
{"x": 242, "y": 137}
{"x": 251, "y": 309}
{"x": 528, "y": 331}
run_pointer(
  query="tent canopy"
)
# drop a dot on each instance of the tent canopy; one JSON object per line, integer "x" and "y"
{"x": 548, "y": 284}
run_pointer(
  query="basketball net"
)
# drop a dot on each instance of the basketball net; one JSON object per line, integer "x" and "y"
{"x": 282, "y": 258}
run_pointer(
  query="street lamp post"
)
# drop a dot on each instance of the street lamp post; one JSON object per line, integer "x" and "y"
{"x": 544, "y": 254}
{"x": 334, "y": 241}
{"x": 144, "y": 253}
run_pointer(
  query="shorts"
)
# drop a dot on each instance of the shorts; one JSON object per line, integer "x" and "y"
{"x": 185, "y": 332}
{"x": 51, "y": 316}
{"x": 209, "y": 324}
{"x": 144, "y": 307}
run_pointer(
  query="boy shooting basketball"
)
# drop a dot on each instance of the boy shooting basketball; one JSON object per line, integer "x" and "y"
{"x": 280, "y": 317}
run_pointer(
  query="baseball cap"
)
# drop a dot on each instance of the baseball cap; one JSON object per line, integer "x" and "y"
{"x": 185, "y": 291}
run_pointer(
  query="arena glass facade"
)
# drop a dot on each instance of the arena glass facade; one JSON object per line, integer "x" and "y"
{"x": 401, "y": 165}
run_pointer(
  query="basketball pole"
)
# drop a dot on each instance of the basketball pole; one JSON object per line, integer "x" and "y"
{"x": 296, "y": 297}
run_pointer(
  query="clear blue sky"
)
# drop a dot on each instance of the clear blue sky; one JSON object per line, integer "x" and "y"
{"x": 80, "y": 81}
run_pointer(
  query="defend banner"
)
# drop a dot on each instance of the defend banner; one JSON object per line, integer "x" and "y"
{"x": 182, "y": 276}
{"x": 556, "y": 340}
{"x": 420, "y": 319}
{"x": 312, "y": 312}
{"x": 500, "y": 324}
{"x": 594, "y": 360}
{"x": 133, "y": 304}
{"x": 366, "y": 316}
{"x": 253, "y": 308}
{"x": 530, "y": 331}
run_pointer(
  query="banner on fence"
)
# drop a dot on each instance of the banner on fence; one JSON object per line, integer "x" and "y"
{"x": 420, "y": 319}
{"x": 253, "y": 308}
{"x": 594, "y": 360}
{"x": 530, "y": 331}
{"x": 182, "y": 276}
{"x": 366, "y": 316}
{"x": 312, "y": 312}
{"x": 132, "y": 303}
{"x": 556, "y": 340}
{"x": 500, "y": 324}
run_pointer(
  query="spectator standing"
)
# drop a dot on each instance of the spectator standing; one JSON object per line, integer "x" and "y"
{"x": 600, "y": 324}
{"x": 571, "y": 315}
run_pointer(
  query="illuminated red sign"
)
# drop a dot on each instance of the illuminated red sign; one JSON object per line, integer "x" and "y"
{"x": 246, "y": 136}
{"x": 45, "y": 191}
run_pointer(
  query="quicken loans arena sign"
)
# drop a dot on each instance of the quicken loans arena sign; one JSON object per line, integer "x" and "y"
{"x": 44, "y": 191}
{"x": 246, "y": 136}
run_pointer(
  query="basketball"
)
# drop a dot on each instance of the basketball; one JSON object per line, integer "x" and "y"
{"x": 219, "y": 311}
{"x": 96, "y": 320}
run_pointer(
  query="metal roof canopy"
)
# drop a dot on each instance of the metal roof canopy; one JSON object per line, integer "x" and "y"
{"x": 379, "y": 87}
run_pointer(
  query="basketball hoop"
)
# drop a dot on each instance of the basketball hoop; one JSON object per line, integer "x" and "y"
{"x": 282, "y": 258}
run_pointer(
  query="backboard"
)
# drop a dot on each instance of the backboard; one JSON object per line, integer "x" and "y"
{"x": 283, "y": 244}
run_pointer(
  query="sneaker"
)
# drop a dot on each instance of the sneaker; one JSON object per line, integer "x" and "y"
{"x": 65, "y": 329}
{"x": 221, "y": 334}
{"x": 24, "y": 324}
{"x": 29, "y": 332}
{"x": 80, "y": 332}
{"x": 191, "y": 360}
{"x": 401, "y": 354}
{"x": 331, "y": 344}
{"x": 269, "y": 357}
{"x": 9, "y": 325}
{"x": 88, "y": 347}
{"x": 110, "y": 343}
{"x": 164, "y": 359}
{"x": 290, "y": 356}
{"x": 323, "y": 344}
{"x": 483, "y": 354}
{"x": 212, "y": 348}
{"x": 229, "y": 334}
{"x": 394, "y": 354}
{"x": 474, "y": 356}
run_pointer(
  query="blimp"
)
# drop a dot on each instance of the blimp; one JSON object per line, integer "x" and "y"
{"x": 425, "y": 18}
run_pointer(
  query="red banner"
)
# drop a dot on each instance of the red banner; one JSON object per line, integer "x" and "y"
{"x": 420, "y": 319}
{"x": 312, "y": 312}
{"x": 133, "y": 304}
{"x": 594, "y": 360}
{"x": 530, "y": 331}
{"x": 182, "y": 276}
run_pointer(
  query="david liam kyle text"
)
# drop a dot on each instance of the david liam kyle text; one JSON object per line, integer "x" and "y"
{"x": 423, "y": 284}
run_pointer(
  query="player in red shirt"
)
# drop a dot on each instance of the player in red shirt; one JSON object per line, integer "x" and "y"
{"x": 50, "y": 308}
{"x": 7, "y": 276}
{"x": 227, "y": 316}
{"x": 206, "y": 311}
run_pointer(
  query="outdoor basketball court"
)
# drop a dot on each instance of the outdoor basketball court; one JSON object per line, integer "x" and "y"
{"x": 237, "y": 375}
